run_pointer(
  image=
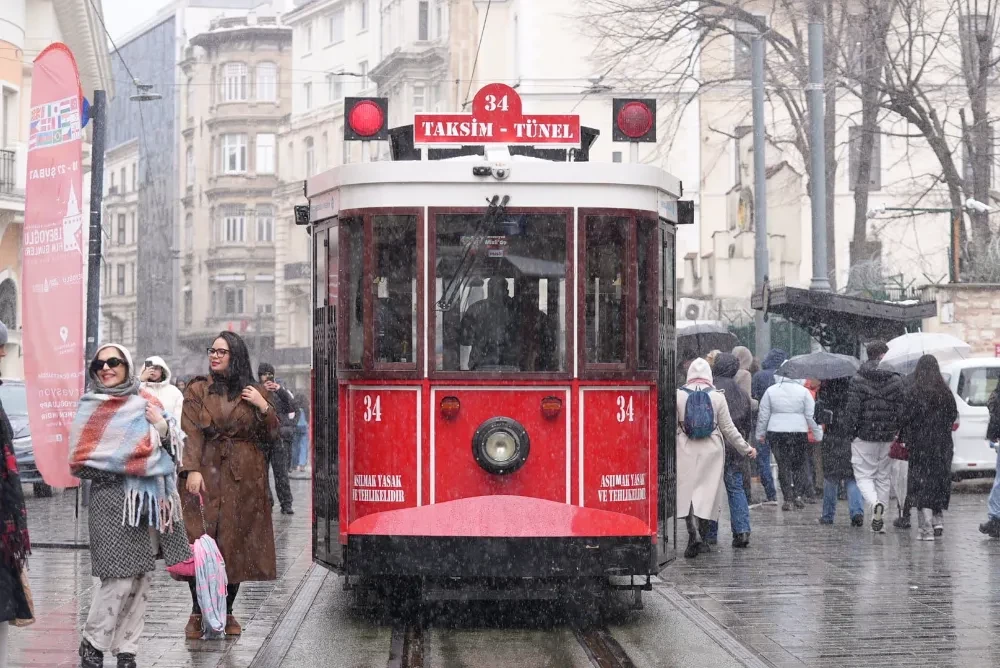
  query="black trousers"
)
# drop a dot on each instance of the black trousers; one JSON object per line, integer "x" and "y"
{"x": 790, "y": 450}
{"x": 231, "y": 592}
{"x": 279, "y": 460}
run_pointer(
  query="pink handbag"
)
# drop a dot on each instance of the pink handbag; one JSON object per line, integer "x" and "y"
{"x": 185, "y": 570}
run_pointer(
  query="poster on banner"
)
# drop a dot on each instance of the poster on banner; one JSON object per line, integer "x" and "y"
{"x": 52, "y": 275}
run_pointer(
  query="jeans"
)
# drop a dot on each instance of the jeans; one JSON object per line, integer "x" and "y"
{"x": 764, "y": 470}
{"x": 790, "y": 449}
{"x": 855, "y": 502}
{"x": 301, "y": 456}
{"x": 993, "y": 504}
{"x": 739, "y": 509}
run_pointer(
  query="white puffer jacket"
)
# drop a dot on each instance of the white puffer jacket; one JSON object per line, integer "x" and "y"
{"x": 171, "y": 398}
{"x": 787, "y": 406}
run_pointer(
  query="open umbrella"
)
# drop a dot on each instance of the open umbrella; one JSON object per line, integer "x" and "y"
{"x": 819, "y": 366}
{"x": 906, "y": 350}
{"x": 700, "y": 338}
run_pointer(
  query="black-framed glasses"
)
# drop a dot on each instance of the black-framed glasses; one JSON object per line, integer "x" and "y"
{"x": 111, "y": 363}
{"x": 217, "y": 352}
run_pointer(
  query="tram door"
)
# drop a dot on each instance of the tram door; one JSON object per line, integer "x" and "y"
{"x": 667, "y": 409}
{"x": 325, "y": 417}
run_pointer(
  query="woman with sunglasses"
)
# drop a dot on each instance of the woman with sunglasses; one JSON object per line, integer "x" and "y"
{"x": 128, "y": 446}
{"x": 228, "y": 418}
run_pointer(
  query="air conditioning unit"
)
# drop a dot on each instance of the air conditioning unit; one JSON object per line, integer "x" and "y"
{"x": 694, "y": 309}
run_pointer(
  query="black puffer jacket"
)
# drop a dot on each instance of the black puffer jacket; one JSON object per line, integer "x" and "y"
{"x": 993, "y": 429}
{"x": 874, "y": 403}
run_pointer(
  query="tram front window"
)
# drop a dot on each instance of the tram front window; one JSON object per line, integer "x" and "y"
{"x": 501, "y": 293}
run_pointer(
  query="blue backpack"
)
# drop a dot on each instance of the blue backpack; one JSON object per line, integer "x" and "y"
{"x": 699, "y": 415}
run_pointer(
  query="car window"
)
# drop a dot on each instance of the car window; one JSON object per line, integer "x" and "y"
{"x": 976, "y": 384}
{"x": 14, "y": 398}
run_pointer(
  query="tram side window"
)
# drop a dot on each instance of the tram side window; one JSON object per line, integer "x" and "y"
{"x": 607, "y": 243}
{"x": 500, "y": 293}
{"x": 395, "y": 289}
{"x": 352, "y": 277}
{"x": 647, "y": 313}
{"x": 668, "y": 264}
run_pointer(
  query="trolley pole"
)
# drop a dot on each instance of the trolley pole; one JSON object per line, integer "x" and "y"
{"x": 817, "y": 176}
{"x": 762, "y": 328}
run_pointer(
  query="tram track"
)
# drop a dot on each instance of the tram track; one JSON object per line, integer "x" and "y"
{"x": 601, "y": 647}
{"x": 406, "y": 648}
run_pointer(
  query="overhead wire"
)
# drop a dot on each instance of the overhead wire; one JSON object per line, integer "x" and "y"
{"x": 479, "y": 47}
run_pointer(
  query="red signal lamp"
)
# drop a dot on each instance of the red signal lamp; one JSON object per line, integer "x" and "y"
{"x": 634, "y": 120}
{"x": 450, "y": 407}
{"x": 366, "y": 119}
{"x": 551, "y": 407}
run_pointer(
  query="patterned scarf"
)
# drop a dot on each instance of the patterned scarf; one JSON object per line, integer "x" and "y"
{"x": 15, "y": 545}
{"x": 112, "y": 434}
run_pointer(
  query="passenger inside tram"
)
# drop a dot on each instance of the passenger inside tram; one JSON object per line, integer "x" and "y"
{"x": 488, "y": 329}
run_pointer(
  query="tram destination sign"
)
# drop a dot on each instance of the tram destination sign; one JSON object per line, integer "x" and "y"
{"x": 496, "y": 118}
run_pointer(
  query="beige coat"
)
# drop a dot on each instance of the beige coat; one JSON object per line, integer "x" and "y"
{"x": 700, "y": 461}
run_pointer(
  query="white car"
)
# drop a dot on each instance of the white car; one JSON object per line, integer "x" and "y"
{"x": 972, "y": 381}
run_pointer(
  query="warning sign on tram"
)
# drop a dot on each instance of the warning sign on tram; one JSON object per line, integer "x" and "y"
{"x": 496, "y": 118}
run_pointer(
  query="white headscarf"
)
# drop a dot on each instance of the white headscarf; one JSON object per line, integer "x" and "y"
{"x": 700, "y": 373}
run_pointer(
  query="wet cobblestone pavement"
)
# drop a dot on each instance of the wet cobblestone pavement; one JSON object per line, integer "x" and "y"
{"x": 62, "y": 587}
{"x": 803, "y": 594}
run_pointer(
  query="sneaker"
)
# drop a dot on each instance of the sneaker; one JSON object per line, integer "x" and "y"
{"x": 926, "y": 534}
{"x": 126, "y": 661}
{"x": 823, "y": 520}
{"x": 799, "y": 505}
{"x": 858, "y": 521}
{"x": 991, "y": 528}
{"x": 786, "y": 506}
{"x": 938, "y": 532}
{"x": 755, "y": 505}
{"x": 878, "y": 525}
{"x": 901, "y": 522}
{"x": 90, "y": 657}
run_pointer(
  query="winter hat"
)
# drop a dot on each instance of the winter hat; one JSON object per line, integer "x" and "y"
{"x": 264, "y": 369}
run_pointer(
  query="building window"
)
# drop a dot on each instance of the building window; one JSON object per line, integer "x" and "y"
{"x": 233, "y": 301}
{"x": 363, "y": 71}
{"x": 307, "y": 35}
{"x": 265, "y": 153}
{"x": 335, "y": 26}
{"x": 234, "y": 154}
{"x": 132, "y": 227}
{"x": 363, "y": 15}
{"x": 133, "y": 176}
{"x": 423, "y": 21}
{"x": 307, "y": 89}
{"x": 234, "y": 224}
{"x": 188, "y": 307}
{"x": 124, "y": 188}
{"x": 265, "y": 224}
{"x": 112, "y": 190}
{"x": 189, "y": 232}
{"x": 121, "y": 279}
{"x": 121, "y": 229}
{"x": 189, "y": 171}
{"x": 267, "y": 82}
{"x": 439, "y": 22}
{"x": 310, "y": 151}
{"x": 107, "y": 279}
{"x": 334, "y": 87}
{"x": 854, "y": 159}
{"x": 189, "y": 97}
{"x": 742, "y": 35}
{"x": 418, "y": 98}
{"x": 234, "y": 82}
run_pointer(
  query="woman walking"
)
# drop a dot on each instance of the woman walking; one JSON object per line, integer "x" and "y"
{"x": 836, "y": 447}
{"x": 784, "y": 421}
{"x": 929, "y": 411}
{"x": 229, "y": 420}
{"x": 703, "y": 427}
{"x": 129, "y": 448}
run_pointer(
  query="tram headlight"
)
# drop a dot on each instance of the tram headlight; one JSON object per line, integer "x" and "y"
{"x": 500, "y": 445}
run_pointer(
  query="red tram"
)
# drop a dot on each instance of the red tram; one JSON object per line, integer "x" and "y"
{"x": 493, "y": 354}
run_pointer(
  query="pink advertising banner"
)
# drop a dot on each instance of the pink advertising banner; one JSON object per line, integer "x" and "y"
{"x": 52, "y": 290}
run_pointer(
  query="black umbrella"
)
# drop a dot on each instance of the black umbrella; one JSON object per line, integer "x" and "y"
{"x": 695, "y": 339}
{"x": 819, "y": 366}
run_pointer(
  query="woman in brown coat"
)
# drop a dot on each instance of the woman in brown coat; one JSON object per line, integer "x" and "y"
{"x": 229, "y": 419}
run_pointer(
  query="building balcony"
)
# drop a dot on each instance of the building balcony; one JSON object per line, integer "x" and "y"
{"x": 13, "y": 170}
{"x": 239, "y": 255}
{"x": 264, "y": 116}
{"x": 243, "y": 185}
{"x": 411, "y": 57}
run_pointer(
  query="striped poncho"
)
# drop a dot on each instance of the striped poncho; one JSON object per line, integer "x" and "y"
{"x": 111, "y": 434}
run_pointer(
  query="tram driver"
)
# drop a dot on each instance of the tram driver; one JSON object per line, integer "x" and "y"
{"x": 488, "y": 328}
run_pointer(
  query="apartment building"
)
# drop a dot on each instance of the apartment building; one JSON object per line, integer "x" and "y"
{"x": 237, "y": 89}
{"x": 26, "y": 28}
{"x": 120, "y": 223}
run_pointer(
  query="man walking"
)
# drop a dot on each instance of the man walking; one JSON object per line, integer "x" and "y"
{"x": 874, "y": 401}
{"x": 992, "y": 525}
{"x": 760, "y": 383}
{"x": 280, "y": 449}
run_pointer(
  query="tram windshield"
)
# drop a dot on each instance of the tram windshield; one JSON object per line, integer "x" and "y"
{"x": 501, "y": 294}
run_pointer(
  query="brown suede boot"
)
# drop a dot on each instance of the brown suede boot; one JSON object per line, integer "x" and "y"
{"x": 193, "y": 629}
{"x": 233, "y": 627}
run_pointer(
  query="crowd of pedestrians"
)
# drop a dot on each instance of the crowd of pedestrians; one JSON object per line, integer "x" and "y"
{"x": 868, "y": 437}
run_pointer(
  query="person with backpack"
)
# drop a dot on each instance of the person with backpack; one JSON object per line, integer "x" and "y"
{"x": 785, "y": 419}
{"x": 704, "y": 425}
{"x": 992, "y": 525}
{"x": 736, "y": 468}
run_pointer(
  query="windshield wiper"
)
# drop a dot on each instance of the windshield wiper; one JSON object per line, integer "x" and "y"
{"x": 494, "y": 212}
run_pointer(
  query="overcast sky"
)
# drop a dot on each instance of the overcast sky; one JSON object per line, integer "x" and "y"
{"x": 121, "y": 16}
